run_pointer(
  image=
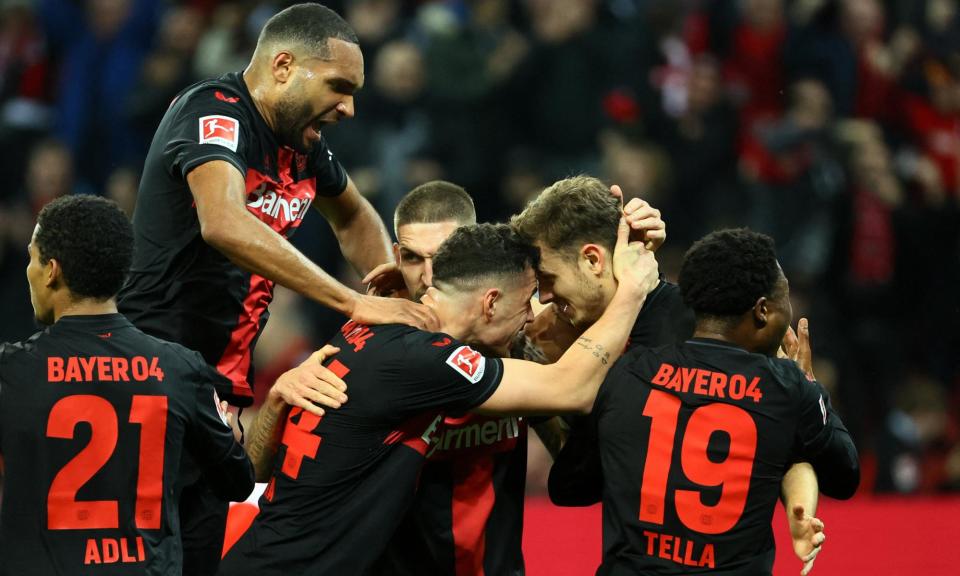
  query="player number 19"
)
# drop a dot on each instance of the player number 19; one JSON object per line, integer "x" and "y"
{"x": 732, "y": 475}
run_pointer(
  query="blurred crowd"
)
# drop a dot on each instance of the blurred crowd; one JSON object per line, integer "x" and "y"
{"x": 833, "y": 125}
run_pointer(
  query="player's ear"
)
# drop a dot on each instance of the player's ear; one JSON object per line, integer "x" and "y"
{"x": 53, "y": 273}
{"x": 282, "y": 66}
{"x": 593, "y": 258}
{"x": 490, "y": 300}
{"x": 761, "y": 311}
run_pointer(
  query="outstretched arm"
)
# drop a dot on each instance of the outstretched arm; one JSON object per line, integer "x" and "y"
{"x": 359, "y": 230}
{"x": 219, "y": 191}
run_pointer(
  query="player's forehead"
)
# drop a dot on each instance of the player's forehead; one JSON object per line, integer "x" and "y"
{"x": 345, "y": 63}
{"x": 424, "y": 238}
{"x": 553, "y": 261}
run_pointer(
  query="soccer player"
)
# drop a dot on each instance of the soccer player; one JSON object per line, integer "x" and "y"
{"x": 574, "y": 223}
{"x": 94, "y": 414}
{"x": 695, "y": 437}
{"x": 342, "y": 482}
{"x": 467, "y": 518}
{"x": 234, "y": 167}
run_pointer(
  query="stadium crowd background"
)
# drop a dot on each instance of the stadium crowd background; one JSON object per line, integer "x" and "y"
{"x": 833, "y": 125}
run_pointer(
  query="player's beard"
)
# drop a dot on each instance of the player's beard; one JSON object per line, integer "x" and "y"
{"x": 292, "y": 118}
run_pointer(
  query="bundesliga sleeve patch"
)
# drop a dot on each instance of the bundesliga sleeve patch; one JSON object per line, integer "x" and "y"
{"x": 221, "y": 130}
{"x": 468, "y": 362}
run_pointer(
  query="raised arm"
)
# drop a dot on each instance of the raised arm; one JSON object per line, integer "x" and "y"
{"x": 571, "y": 383}
{"x": 219, "y": 192}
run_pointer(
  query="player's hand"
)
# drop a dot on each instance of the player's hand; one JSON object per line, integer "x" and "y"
{"x": 807, "y": 535}
{"x": 311, "y": 385}
{"x": 644, "y": 221}
{"x": 797, "y": 347}
{"x": 377, "y": 310}
{"x": 386, "y": 280}
{"x": 634, "y": 266}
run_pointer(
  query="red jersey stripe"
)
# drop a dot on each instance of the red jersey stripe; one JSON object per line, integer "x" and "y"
{"x": 235, "y": 362}
{"x": 473, "y": 498}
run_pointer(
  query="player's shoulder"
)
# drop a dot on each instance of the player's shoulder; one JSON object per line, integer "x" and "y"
{"x": 10, "y": 351}
{"x": 786, "y": 373}
{"x": 186, "y": 360}
{"x": 223, "y": 95}
{"x": 424, "y": 342}
{"x": 636, "y": 364}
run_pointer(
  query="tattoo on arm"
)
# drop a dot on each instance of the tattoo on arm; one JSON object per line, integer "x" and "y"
{"x": 597, "y": 350}
{"x": 265, "y": 438}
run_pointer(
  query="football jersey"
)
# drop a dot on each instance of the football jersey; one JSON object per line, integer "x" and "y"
{"x": 467, "y": 519}
{"x": 180, "y": 288}
{"x": 576, "y": 477}
{"x": 94, "y": 418}
{"x": 342, "y": 483}
{"x": 695, "y": 439}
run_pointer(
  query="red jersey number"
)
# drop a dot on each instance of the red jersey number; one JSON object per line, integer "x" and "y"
{"x": 732, "y": 475}
{"x": 64, "y": 511}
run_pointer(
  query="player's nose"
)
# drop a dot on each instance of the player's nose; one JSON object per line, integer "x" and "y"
{"x": 545, "y": 295}
{"x": 345, "y": 107}
{"x": 428, "y": 271}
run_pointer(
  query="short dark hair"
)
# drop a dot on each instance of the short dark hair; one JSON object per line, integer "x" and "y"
{"x": 435, "y": 201}
{"x": 571, "y": 212}
{"x": 481, "y": 252}
{"x": 727, "y": 271}
{"x": 309, "y": 24}
{"x": 91, "y": 238}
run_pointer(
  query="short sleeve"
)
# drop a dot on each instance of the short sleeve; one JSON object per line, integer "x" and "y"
{"x": 211, "y": 442}
{"x": 824, "y": 441}
{"x": 817, "y": 419}
{"x": 331, "y": 176}
{"x": 202, "y": 126}
{"x": 444, "y": 374}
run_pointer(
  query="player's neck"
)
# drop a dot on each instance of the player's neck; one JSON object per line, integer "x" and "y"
{"x": 723, "y": 329}
{"x": 253, "y": 79}
{"x": 742, "y": 334}
{"x": 84, "y": 307}
{"x": 450, "y": 312}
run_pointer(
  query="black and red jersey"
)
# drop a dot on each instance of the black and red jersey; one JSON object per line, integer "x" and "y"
{"x": 694, "y": 440}
{"x": 180, "y": 288}
{"x": 468, "y": 516}
{"x": 343, "y": 482}
{"x": 94, "y": 418}
{"x": 467, "y": 519}
{"x": 576, "y": 477}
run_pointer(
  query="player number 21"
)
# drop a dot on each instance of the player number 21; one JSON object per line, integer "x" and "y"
{"x": 64, "y": 511}
{"x": 732, "y": 475}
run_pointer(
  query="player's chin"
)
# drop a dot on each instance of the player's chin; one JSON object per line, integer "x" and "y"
{"x": 309, "y": 138}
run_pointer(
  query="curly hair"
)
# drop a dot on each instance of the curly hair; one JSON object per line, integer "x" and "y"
{"x": 481, "y": 253}
{"x": 310, "y": 25}
{"x": 435, "y": 201}
{"x": 91, "y": 238}
{"x": 727, "y": 271}
{"x": 570, "y": 213}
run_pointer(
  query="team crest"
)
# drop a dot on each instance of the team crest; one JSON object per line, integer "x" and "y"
{"x": 221, "y": 130}
{"x": 468, "y": 362}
